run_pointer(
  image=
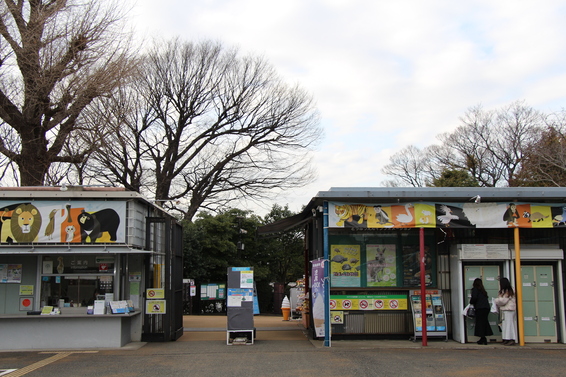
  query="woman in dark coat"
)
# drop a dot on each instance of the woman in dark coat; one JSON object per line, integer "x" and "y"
{"x": 481, "y": 303}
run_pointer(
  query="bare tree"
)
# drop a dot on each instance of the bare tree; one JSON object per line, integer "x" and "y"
{"x": 490, "y": 144}
{"x": 212, "y": 127}
{"x": 410, "y": 167}
{"x": 544, "y": 163}
{"x": 56, "y": 56}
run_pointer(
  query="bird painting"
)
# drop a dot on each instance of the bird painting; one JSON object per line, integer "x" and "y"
{"x": 405, "y": 218}
{"x": 447, "y": 217}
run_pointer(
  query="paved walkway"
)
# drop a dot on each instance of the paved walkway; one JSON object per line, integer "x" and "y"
{"x": 273, "y": 327}
{"x": 281, "y": 348}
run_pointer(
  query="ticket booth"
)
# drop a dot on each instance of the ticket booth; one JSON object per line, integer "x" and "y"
{"x": 75, "y": 265}
{"x": 369, "y": 247}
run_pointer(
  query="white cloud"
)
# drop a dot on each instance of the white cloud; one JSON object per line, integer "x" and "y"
{"x": 385, "y": 74}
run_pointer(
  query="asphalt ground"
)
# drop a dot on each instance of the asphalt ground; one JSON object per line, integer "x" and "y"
{"x": 281, "y": 348}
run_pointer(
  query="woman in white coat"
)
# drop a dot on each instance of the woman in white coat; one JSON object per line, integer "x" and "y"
{"x": 507, "y": 306}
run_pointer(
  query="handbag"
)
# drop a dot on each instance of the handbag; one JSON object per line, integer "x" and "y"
{"x": 471, "y": 311}
{"x": 494, "y": 308}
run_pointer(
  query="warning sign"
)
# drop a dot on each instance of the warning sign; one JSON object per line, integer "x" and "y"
{"x": 369, "y": 302}
{"x": 155, "y": 307}
{"x": 155, "y": 293}
{"x": 337, "y": 317}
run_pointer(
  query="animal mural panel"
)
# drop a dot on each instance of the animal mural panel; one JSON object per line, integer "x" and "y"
{"x": 381, "y": 265}
{"x": 62, "y": 222}
{"x": 447, "y": 215}
{"x": 345, "y": 265}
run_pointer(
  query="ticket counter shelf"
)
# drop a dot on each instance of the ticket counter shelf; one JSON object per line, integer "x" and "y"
{"x": 69, "y": 331}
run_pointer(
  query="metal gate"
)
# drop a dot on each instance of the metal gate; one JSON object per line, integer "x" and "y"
{"x": 164, "y": 269}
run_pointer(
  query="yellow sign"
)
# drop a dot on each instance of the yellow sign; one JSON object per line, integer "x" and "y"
{"x": 155, "y": 307}
{"x": 26, "y": 290}
{"x": 368, "y": 302}
{"x": 337, "y": 317}
{"x": 155, "y": 293}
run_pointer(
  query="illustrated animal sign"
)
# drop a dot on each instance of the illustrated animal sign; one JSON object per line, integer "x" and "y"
{"x": 62, "y": 222}
{"x": 447, "y": 215}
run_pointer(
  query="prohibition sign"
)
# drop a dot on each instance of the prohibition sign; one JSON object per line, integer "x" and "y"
{"x": 364, "y": 304}
{"x": 378, "y": 304}
{"x": 393, "y": 304}
{"x": 346, "y": 304}
{"x": 332, "y": 304}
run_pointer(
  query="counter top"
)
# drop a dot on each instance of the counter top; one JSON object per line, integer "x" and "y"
{"x": 70, "y": 315}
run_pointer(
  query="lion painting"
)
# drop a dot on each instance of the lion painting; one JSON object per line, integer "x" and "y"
{"x": 22, "y": 225}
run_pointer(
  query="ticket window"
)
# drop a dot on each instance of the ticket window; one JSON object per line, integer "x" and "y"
{"x": 76, "y": 280}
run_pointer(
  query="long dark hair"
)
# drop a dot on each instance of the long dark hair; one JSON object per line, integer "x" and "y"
{"x": 478, "y": 284}
{"x": 505, "y": 287}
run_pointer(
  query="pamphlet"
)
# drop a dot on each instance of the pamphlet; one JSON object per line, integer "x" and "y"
{"x": 99, "y": 307}
{"x": 119, "y": 307}
{"x": 46, "y": 310}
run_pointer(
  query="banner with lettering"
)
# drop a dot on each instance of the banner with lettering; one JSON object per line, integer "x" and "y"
{"x": 444, "y": 215}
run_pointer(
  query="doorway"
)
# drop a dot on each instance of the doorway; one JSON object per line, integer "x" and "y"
{"x": 539, "y": 306}
{"x": 490, "y": 277}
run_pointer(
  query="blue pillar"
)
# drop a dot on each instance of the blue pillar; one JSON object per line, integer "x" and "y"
{"x": 326, "y": 279}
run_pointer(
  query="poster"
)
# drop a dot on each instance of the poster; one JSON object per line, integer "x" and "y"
{"x": 318, "y": 297}
{"x": 3, "y": 273}
{"x": 345, "y": 265}
{"x": 443, "y": 215}
{"x": 412, "y": 267}
{"x": 236, "y": 296}
{"x": 381, "y": 265}
{"x": 49, "y": 221}
{"x": 246, "y": 279}
{"x": 12, "y": 273}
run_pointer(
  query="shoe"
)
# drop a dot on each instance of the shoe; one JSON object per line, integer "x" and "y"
{"x": 505, "y": 342}
{"x": 510, "y": 343}
{"x": 482, "y": 341}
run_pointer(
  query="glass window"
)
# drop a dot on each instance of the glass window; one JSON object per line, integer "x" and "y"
{"x": 367, "y": 259}
{"x": 76, "y": 280}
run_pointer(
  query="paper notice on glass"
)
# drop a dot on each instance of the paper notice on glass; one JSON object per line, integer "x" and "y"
{"x": 237, "y": 296}
{"x": 247, "y": 279}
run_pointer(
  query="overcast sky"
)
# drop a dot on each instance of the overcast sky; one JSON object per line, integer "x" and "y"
{"x": 384, "y": 74}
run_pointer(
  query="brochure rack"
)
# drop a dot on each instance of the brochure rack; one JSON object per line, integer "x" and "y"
{"x": 435, "y": 315}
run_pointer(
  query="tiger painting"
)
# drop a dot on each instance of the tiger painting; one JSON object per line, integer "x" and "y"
{"x": 350, "y": 212}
